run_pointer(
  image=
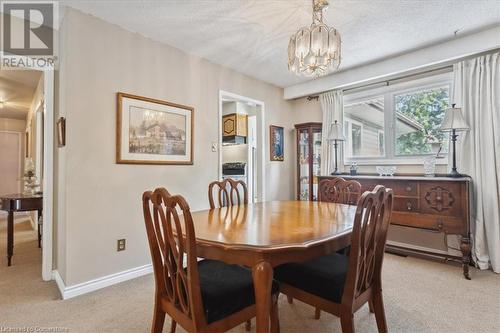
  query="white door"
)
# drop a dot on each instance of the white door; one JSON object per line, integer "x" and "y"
{"x": 10, "y": 163}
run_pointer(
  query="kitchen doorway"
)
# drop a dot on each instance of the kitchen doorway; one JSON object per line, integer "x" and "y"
{"x": 241, "y": 142}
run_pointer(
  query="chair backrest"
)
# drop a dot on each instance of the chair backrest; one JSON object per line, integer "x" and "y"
{"x": 368, "y": 240}
{"x": 172, "y": 243}
{"x": 227, "y": 193}
{"x": 339, "y": 190}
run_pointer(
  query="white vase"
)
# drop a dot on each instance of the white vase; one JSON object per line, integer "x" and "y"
{"x": 430, "y": 166}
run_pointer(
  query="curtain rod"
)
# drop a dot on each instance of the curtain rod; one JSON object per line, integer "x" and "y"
{"x": 388, "y": 82}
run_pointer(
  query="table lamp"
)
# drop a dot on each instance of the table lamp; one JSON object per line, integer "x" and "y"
{"x": 454, "y": 121}
{"x": 336, "y": 135}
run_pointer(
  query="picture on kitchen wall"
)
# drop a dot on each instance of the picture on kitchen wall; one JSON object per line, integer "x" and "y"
{"x": 151, "y": 131}
{"x": 277, "y": 143}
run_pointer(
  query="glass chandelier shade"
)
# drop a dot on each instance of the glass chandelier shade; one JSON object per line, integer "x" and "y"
{"x": 315, "y": 50}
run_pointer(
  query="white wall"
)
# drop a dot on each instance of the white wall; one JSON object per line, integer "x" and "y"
{"x": 99, "y": 201}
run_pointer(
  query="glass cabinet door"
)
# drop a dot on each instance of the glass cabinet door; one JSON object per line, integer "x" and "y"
{"x": 316, "y": 161}
{"x": 303, "y": 163}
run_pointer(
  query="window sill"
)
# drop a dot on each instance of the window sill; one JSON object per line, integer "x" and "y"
{"x": 394, "y": 161}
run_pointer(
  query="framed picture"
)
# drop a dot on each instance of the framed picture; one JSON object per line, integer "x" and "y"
{"x": 277, "y": 143}
{"x": 150, "y": 131}
{"x": 61, "y": 132}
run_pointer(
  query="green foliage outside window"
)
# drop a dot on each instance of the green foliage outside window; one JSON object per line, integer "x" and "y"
{"x": 428, "y": 109}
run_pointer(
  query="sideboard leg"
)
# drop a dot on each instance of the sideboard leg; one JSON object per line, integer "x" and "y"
{"x": 465, "y": 248}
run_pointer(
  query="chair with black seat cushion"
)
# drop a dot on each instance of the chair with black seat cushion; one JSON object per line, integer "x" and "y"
{"x": 337, "y": 190}
{"x": 341, "y": 284}
{"x": 200, "y": 296}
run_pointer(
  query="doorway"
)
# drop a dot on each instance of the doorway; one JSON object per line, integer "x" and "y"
{"x": 31, "y": 91}
{"x": 244, "y": 149}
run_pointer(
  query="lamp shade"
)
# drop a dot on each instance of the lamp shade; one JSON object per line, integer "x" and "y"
{"x": 454, "y": 120}
{"x": 335, "y": 132}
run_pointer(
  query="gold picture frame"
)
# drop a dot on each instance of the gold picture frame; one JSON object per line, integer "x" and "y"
{"x": 277, "y": 143}
{"x": 152, "y": 131}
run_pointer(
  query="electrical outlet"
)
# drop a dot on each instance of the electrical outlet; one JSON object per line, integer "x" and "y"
{"x": 214, "y": 147}
{"x": 120, "y": 245}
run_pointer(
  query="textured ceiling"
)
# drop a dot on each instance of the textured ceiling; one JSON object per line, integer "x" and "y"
{"x": 17, "y": 88}
{"x": 251, "y": 36}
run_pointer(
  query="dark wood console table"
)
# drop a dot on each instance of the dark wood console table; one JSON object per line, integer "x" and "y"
{"x": 19, "y": 203}
{"x": 433, "y": 203}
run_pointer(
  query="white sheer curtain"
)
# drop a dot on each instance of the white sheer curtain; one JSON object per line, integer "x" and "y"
{"x": 477, "y": 92}
{"x": 332, "y": 105}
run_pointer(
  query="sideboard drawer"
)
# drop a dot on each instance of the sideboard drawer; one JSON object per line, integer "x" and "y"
{"x": 406, "y": 204}
{"x": 400, "y": 188}
{"x": 407, "y": 188}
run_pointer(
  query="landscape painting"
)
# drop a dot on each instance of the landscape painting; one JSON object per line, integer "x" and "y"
{"x": 153, "y": 131}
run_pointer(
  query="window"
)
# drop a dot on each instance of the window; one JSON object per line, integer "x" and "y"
{"x": 363, "y": 121}
{"x": 419, "y": 116}
{"x": 397, "y": 123}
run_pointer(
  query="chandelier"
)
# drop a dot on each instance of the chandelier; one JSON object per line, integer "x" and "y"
{"x": 314, "y": 50}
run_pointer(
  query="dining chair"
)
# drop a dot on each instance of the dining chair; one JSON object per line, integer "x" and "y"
{"x": 200, "y": 296}
{"x": 339, "y": 190}
{"x": 227, "y": 192}
{"x": 341, "y": 284}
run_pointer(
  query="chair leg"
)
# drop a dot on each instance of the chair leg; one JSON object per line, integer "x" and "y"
{"x": 290, "y": 299}
{"x": 317, "y": 313}
{"x": 347, "y": 321}
{"x": 378, "y": 306}
{"x": 158, "y": 319}
{"x": 275, "y": 320}
{"x": 173, "y": 326}
{"x": 248, "y": 325}
{"x": 370, "y": 306}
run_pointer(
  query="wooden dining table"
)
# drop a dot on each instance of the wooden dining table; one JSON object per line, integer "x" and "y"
{"x": 267, "y": 234}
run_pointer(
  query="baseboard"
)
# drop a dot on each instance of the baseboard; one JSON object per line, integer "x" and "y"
{"x": 59, "y": 282}
{"x": 68, "y": 292}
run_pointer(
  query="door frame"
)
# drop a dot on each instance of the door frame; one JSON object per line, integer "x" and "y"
{"x": 262, "y": 146}
{"x": 48, "y": 166}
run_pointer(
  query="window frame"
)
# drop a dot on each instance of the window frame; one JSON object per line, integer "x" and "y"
{"x": 389, "y": 93}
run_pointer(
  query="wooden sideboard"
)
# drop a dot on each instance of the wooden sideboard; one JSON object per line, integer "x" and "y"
{"x": 432, "y": 203}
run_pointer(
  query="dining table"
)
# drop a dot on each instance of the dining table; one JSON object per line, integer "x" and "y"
{"x": 264, "y": 235}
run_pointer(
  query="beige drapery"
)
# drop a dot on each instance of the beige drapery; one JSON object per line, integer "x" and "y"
{"x": 477, "y": 92}
{"x": 332, "y": 105}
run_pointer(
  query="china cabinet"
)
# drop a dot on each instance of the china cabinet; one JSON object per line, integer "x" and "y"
{"x": 308, "y": 160}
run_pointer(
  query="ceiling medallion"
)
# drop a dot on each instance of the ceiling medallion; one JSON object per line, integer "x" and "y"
{"x": 314, "y": 50}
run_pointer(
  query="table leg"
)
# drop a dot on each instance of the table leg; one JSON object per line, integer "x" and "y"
{"x": 10, "y": 237}
{"x": 262, "y": 274}
{"x": 39, "y": 228}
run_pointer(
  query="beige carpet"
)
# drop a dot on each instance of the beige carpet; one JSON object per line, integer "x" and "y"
{"x": 420, "y": 296}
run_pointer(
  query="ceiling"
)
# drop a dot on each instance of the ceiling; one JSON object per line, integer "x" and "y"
{"x": 251, "y": 36}
{"x": 17, "y": 88}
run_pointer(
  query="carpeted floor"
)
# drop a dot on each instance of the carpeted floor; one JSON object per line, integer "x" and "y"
{"x": 420, "y": 296}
